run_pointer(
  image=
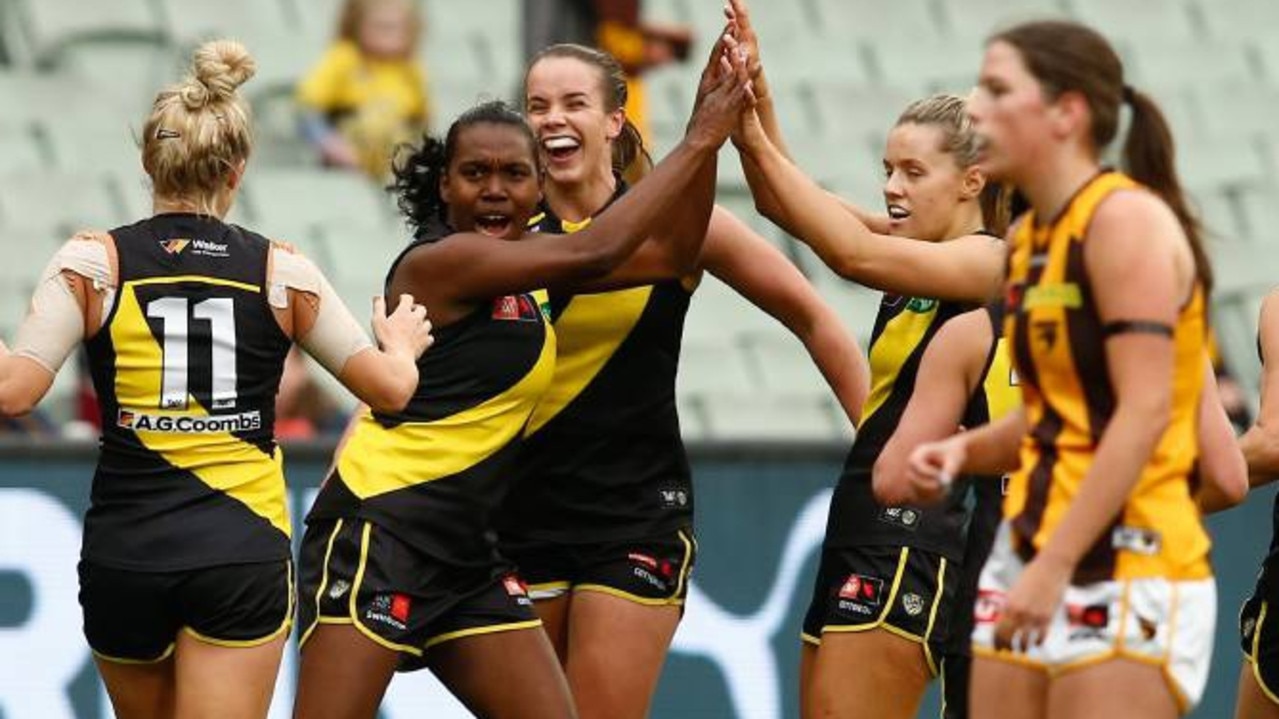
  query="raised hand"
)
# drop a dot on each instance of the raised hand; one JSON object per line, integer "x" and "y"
{"x": 406, "y": 330}
{"x": 739, "y": 19}
{"x": 730, "y": 93}
{"x": 714, "y": 69}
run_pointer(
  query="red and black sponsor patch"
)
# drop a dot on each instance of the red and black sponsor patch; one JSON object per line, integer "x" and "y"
{"x": 516, "y": 308}
{"x": 989, "y": 606}
{"x": 863, "y": 589}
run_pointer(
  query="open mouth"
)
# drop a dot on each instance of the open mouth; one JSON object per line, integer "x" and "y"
{"x": 561, "y": 148}
{"x": 493, "y": 225}
{"x": 897, "y": 212}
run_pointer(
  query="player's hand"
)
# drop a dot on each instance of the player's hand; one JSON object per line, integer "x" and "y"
{"x": 739, "y": 18}
{"x": 714, "y": 70}
{"x": 336, "y": 151}
{"x": 405, "y": 330}
{"x": 719, "y": 112}
{"x": 1030, "y": 606}
{"x": 933, "y": 466}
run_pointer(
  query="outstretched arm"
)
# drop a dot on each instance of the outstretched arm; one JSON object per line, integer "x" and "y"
{"x": 763, "y": 275}
{"x": 466, "y": 268}
{"x": 967, "y": 269}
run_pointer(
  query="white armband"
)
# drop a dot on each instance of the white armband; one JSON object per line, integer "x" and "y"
{"x": 336, "y": 335}
{"x": 54, "y": 324}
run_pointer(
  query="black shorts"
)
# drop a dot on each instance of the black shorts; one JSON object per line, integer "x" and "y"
{"x": 908, "y": 592}
{"x": 355, "y": 572}
{"x": 1259, "y": 629}
{"x": 653, "y": 572}
{"x": 134, "y": 617}
{"x": 956, "y": 673}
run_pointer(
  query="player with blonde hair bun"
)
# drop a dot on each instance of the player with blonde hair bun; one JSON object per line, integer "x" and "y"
{"x": 186, "y": 578}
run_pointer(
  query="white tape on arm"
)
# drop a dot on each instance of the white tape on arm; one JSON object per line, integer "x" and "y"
{"x": 54, "y": 324}
{"x": 336, "y": 335}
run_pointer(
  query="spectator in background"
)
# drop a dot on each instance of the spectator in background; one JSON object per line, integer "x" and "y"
{"x": 368, "y": 93}
{"x": 614, "y": 26}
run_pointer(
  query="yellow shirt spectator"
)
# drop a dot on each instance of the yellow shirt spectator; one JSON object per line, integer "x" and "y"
{"x": 374, "y": 104}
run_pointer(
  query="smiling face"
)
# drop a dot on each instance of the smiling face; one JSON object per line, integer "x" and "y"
{"x": 492, "y": 184}
{"x": 1010, "y": 114}
{"x": 569, "y": 114}
{"x": 926, "y": 192}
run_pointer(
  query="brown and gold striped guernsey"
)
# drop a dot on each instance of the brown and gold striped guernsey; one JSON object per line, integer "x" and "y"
{"x": 1059, "y": 354}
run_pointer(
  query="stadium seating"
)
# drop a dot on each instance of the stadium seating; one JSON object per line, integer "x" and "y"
{"x": 77, "y": 77}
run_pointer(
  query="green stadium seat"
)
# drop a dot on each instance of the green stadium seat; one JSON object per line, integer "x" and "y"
{"x": 20, "y": 151}
{"x": 923, "y": 68}
{"x": 707, "y": 366}
{"x": 321, "y": 198}
{"x": 1231, "y": 20}
{"x": 1169, "y": 63}
{"x": 53, "y": 26}
{"x": 1167, "y": 20}
{"x": 692, "y": 418}
{"x": 1231, "y": 164}
{"x": 1259, "y": 215}
{"x": 1221, "y": 216}
{"x": 784, "y": 365}
{"x": 190, "y": 22}
{"x": 976, "y": 20}
{"x": 856, "y": 305}
{"x": 26, "y": 253}
{"x": 1229, "y": 110}
{"x": 133, "y": 70}
{"x": 912, "y": 21}
{"x": 55, "y": 204}
{"x": 719, "y": 314}
{"x": 759, "y": 417}
{"x": 30, "y": 97}
{"x": 101, "y": 142}
{"x": 1241, "y": 284}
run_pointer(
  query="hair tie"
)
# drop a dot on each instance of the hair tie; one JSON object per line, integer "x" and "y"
{"x": 163, "y": 133}
{"x": 1129, "y": 94}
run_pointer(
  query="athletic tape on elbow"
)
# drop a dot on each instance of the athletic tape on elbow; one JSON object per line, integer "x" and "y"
{"x": 336, "y": 336}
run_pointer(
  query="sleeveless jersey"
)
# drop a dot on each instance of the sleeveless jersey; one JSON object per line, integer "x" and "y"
{"x": 186, "y": 366}
{"x": 997, "y": 395}
{"x": 433, "y": 473}
{"x": 604, "y": 459}
{"x": 1058, "y": 350}
{"x": 903, "y": 329}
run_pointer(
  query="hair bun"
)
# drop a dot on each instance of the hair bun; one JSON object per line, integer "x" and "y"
{"x": 220, "y": 66}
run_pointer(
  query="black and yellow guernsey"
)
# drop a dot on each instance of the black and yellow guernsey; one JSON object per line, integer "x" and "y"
{"x": 186, "y": 366}
{"x": 903, "y": 328}
{"x": 433, "y": 473}
{"x": 604, "y": 459}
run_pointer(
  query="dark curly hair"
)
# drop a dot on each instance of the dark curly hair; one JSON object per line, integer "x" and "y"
{"x": 419, "y": 168}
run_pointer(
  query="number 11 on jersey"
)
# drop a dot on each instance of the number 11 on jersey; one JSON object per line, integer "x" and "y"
{"x": 219, "y": 312}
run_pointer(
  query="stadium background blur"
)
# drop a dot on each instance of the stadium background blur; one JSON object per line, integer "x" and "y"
{"x": 76, "y": 77}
